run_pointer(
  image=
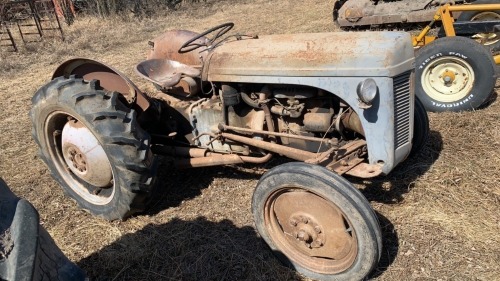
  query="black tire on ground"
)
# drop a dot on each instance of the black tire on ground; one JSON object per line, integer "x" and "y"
{"x": 27, "y": 252}
{"x": 468, "y": 67}
{"x": 420, "y": 128}
{"x": 316, "y": 222}
{"x": 336, "y": 7}
{"x": 114, "y": 129}
{"x": 491, "y": 41}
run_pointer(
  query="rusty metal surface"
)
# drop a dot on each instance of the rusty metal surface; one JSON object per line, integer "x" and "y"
{"x": 109, "y": 78}
{"x": 164, "y": 72}
{"x": 365, "y": 170}
{"x": 311, "y": 230}
{"x": 351, "y": 121}
{"x": 166, "y": 46}
{"x": 216, "y": 159}
{"x": 185, "y": 163}
{"x": 289, "y": 152}
{"x": 318, "y": 121}
{"x": 348, "y": 156}
{"x": 366, "y": 12}
{"x": 223, "y": 127}
{"x": 339, "y": 160}
{"x": 357, "y": 54}
{"x": 178, "y": 151}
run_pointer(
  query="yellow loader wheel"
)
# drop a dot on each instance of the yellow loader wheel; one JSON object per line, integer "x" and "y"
{"x": 489, "y": 40}
{"x": 454, "y": 74}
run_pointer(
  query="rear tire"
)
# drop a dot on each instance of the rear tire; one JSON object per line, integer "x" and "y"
{"x": 75, "y": 106}
{"x": 454, "y": 74}
{"x": 27, "y": 252}
{"x": 316, "y": 222}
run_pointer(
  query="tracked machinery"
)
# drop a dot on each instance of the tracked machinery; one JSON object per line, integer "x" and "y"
{"x": 388, "y": 13}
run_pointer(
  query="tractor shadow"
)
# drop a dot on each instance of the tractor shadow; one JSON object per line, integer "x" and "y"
{"x": 201, "y": 250}
{"x": 187, "y": 250}
{"x": 391, "y": 188}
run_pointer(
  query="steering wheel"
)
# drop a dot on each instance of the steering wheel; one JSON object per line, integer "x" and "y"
{"x": 191, "y": 45}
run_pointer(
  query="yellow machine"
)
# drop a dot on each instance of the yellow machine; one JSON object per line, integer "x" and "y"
{"x": 456, "y": 69}
{"x": 444, "y": 14}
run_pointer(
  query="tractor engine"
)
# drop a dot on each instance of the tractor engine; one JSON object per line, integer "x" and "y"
{"x": 296, "y": 116}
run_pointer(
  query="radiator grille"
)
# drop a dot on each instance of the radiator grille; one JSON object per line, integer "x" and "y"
{"x": 402, "y": 111}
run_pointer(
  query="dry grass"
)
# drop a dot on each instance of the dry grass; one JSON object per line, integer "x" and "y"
{"x": 439, "y": 211}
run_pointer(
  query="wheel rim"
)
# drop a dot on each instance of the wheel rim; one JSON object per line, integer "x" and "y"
{"x": 79, "y": 158}
{"x": 448, "y": 79}
{"x": 310, "y": 230}
{"x": 486, "y": 38}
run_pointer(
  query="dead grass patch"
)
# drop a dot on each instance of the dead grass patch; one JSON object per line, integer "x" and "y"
{"x": 438, "y": 211}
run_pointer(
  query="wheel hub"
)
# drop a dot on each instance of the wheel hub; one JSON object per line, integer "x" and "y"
{"x": 77, "y": 158}
{"x": 307, "y": 232}
{"x": 448, "y": 79}
{"x": 84, "y": 155}
{"x": 311, "y": 230}
{"x": 486, "y": 38}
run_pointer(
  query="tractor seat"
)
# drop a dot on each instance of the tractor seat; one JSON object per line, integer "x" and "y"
{"x": 165, "y": 73}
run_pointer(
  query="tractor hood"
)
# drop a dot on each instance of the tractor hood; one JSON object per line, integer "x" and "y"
{"x": 382, "y": 54}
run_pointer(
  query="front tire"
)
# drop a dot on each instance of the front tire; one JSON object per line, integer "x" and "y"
{"x": 317, "y": 222}
{"x": 420, "y": 128}
{"x": 94, "y": 147}
{"x": 454, "y": 74}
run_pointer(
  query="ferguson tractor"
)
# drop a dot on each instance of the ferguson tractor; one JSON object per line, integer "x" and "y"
{"x": 337, "y": 103}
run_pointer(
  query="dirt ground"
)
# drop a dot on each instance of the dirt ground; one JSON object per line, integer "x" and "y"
{"x": 439, "y": 211}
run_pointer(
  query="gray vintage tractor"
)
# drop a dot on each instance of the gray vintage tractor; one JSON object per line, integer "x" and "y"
{"x": 338, "y": 103}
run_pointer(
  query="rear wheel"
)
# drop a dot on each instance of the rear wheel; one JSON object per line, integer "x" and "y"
{"x": 490, "y": 40}
{"x": 94, "y": 147}
{"x": 454, "y": 74}
{"x": 317, "y": 222}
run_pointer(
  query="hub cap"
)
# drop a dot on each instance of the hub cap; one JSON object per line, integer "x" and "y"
{"x": 486, "y": 38}
{"x": 84, "y": 155}
{"x": 311, "y": 230}
{"x": 448, "y": 79}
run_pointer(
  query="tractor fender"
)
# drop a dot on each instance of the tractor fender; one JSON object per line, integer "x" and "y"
{"x": 109, "y": 78}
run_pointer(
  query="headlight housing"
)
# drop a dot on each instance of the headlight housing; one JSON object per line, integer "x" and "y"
{"x": 367, "y": 90}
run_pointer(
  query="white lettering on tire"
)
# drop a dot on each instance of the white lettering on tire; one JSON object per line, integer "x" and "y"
{"x": 454, "y": 104}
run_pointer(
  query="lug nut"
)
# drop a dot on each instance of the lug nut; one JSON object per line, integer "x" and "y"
{"x": 303, "y": 236}
{"x": 293, "y": 222}
{"x": 317, "y": 229}
{"x": 318, "y": 243}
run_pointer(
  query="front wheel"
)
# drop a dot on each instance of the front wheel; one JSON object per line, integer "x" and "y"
{"x": 420, "y": 128}
{"x": 317, "y": 222}
{"x": 454, "y": 74}
{"x": 94, "y": 147}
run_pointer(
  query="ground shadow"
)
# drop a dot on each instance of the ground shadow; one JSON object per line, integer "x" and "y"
{"x": 202, "y": 250}
{"x": 390, "y": 189}
{"x": 187, "y": 250}
{"x": 174, "y": 186}
{"x": 390, "y": 246}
